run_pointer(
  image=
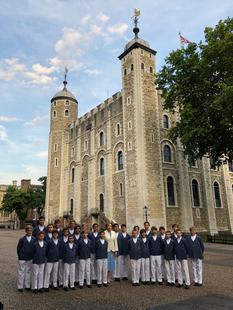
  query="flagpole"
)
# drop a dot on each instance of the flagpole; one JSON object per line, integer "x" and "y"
{"x": 181, "y": 42}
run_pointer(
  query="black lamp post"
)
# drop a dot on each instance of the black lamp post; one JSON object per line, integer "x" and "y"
{"x": 145, "y": 210}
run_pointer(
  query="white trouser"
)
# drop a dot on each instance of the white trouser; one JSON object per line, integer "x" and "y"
{"x": 102, "y": 270}
{"x": 124, "y": 265}
{"x": 93, "y": 267}
{"x": 182, "y": 271}
{"x": 145, "y": 270}
{"x": 156, "y": 270}
{"x": 77, "y": 269}
{"x": 51, "y": 270}
{"x": 69, "y": 274}
{"x": 163, "y": 268}
{"x": 84, "y": 271}
{"x": 60, "y": 272}
{"x": 117, "y": 270}
{"x": 24, "y": 273}
{"x": 37, "y": 276}
{"x": 135, "y": 270}
{"x": 170, "y": 270}
{"x": 197, "y": 270}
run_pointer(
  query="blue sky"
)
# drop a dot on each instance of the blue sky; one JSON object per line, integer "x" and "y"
{"x": 39, "y": 38}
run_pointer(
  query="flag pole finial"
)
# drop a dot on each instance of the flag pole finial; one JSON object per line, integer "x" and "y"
{"x": 135, "y": 20}
{"x": 65, "y": 78}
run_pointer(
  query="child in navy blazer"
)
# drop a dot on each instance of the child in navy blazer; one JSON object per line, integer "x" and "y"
{"x": 52, "y": 255}
{"x": 49, "y": 231}
{"x": 94, "y": 236}
{"x": 39, "y": 260}
{"x": 101, "y": 255}
{"x": 169, "y": 257}
{"x": 145, "y": 267}
{"x": 123, "y": 249}
{"x": 25, "y": 249}
{"x": 181, "y": 252}
{"x": 69, "y": 258}
{"x": 135, "y": 254}
{"x": 84, "y": 254}
{"x": 195, "y": 252}
{"x": 77, "y": 239}
{"x": 156, "y": 247}
{"x": 162, "y": 231}
{"x": 40, "y": 227}
{"x": 57, "y": 226}
{"x": 63, "y": 242}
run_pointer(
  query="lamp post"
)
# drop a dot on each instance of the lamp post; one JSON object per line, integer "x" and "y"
{"x": 145, "y": 211}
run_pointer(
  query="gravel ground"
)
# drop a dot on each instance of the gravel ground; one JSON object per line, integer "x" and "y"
{"x": 216, "y": 293}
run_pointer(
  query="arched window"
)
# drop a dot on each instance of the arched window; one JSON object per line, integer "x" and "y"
{"x": 66, "y": 112}
{"x": 118, "y": 129}
{"x": 102, "y": 138}
{"x": 170, "y": 191}
{"x": 120, "y": 161}
{"x": 167, "y": 155}
{"x": 102, "y": 166}
{"x": 125, "y": 71}
{"x": 121, "y": 189}
{"x": 165, "y": 122}
{"x": 54, "y": 113}
{"x": 72, "y": 175}
{"x": 217, "y": 196}
{"x": 55, "y": 147}
{"x": 195, "y": 190}
{"x": 67, "y": 102}
{"x": 131, "y": 67}
{"x": 101, "y": 197}
{"x": 142, "y": 66}
{"x": 71, "y": 207}
{"x": 151, "y": 70}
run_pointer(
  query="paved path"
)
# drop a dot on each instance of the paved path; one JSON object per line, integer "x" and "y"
{"x": 217, "y": 292}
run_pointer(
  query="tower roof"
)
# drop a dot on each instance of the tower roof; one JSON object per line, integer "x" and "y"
{"x": 64, "y": 93}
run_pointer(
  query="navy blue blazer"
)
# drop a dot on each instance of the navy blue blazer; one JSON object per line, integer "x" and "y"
{"x": 135, "y": 249}
{"x": 76, "y": 241}
{"x": 123, "y": 244}
{"x": 62, "y": 248}
{"x": 169, "y": 250}
{"x": 93, "y": 239}
{"x": 36, "y": 230}
{"x": 25, "y": 249}
{"x": 39, "y": 256}
{"x": 53, "y": 251}
{"x": 145, "y": 248}
{"x": 101, "y": 250}
{"x": 195, "y": 248}
{"x": 156, "y": 246}
{"x": 70, "y": 255}
{"x": 60, "y": 233}
{"x": 47, "y": 238}
{"x": 84, "y": 250}
{"x": 181, "y": 249}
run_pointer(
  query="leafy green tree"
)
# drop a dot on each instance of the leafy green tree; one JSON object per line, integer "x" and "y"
{"x": 197, "y": 81}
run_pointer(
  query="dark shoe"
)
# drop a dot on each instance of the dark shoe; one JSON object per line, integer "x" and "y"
{"x": 186, "y": 287}
{"x": 73, "y": 288}
{"x": 81, "y": 287}
{"x": 50, "y": 285}
{"x": 41, "y": 290}
{"x": 89, "y": 286}
{"x": 160, "y": 283}
{"x": 134, "y": 284}
{"x": 65, "y": 288}
{"x": 20, "y": 290}
{"x": 76, "y": 283}
{"x": 46, "y": 290}
{"x": 56, "y": 288}
{"x": 196, "y": 284}
{"x": 199, "y": 284}
{"x": 117, "y": 279}
{"x": 60, "y": 285}
{"x": 153, "y": 283}
{"x": 35, "y": 291}
{"x": 125, "y": 279}
{"x": 143, "y": 282}
{"x": 27, "y": 289}
{"x": 168, "y": 284}
{"x": 137, "y": 284}
{"x": 172, "y": 284}
{"x": 99, "y": 285}
{"x": 148, "y": 283}
{"x": 94, "y": 281}
{"x": 105, "y": 285}
{"x": 179, "y": 285}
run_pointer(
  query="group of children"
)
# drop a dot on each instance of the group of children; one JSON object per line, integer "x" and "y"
{"x": 73, "y": 256}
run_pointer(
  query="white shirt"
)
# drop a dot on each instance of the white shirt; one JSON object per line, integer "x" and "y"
{"x": 41, "y": 228}
{"x": 71, "y": 231}
{"x": 175, "y": 235}
{"x": 85, "y": 240}
{"x": 55, "y": 241}
{"x": 50, "y": 235}
{"x": 179, "y": 239}
{"x": 124, "y": 234}
{"x": 41, "y": 243}
{"x": 135, "y": 240}
{"x": 102, "y": 241}
{"x": 193, "y": 237}
{"x": 117, "y": 234}
{"x": 147, "y": 232}
{"x": 144, "y": 240}
{"x": 168, "y": 241}
{"x": 163, "y": 236}
{"x": 71, "y": 245}
{"x": 77, "y": 236}
{"x": 65, "y": 239}
{"x": 95, "y": 234}
{"x": 29, "y": 238}
{"x": 155, "y": 237}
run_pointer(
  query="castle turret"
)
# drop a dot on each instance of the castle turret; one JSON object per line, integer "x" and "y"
{"x": 143, "y": 172}
{"x": 64, "y": 107}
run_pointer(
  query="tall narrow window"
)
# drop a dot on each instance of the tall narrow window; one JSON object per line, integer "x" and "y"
{"x": 71, "y": 207}
{"x": 195, "y": 190}
{"x": 72, "y": 175}
{"x": 131, "y": 67}
{"x": 142, "y": 66}
{"x": 118, "y": 129}
{"x": 66, "y": 112}
{"x": 170, "y": 191}
{"x": 121, "y": 189}
{"x": 167, "y": 156}
{"x": 102, "y": 138}
{"x": 101, "y": 197}
{"x": 125, "y": 71}
{"x": 54, "y": 113}
{"x": 151, "y": 70}
{"x": 56, "y": 162}
{"x": 55, "y": 147}
{"x": 101, "y": 166}
{"x": 165, "y": 122}
{"x": 120, "y": 160}
{"x": 217, "y": 196}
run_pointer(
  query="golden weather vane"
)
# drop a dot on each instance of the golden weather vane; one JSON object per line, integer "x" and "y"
{"x": 135, "y": 18}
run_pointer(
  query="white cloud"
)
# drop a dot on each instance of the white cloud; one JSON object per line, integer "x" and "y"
{"x": 102, "y": 17}
{"x": 93, "y": 72}
{"x": 34, "y": 171}
{"x": 3, "y": 134}
{"x": 37, "y": 121}
{"x": 118, "y": 29}
{"x": 8, "y": 119}
{"x": 85, "y": 19}
{"x": 42, "y": 154}
{"x": 69, "y": 42}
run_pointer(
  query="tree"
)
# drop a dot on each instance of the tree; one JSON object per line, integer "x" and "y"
{"x": 197, "y": 81}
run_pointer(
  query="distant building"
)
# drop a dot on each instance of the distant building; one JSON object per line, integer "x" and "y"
{"x": 117, "y": 158}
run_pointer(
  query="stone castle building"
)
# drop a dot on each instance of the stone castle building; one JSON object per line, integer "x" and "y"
{"x": 116, "y": 159}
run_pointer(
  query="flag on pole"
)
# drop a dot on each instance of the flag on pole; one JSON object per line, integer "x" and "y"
{"x": 183, "y": 40}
